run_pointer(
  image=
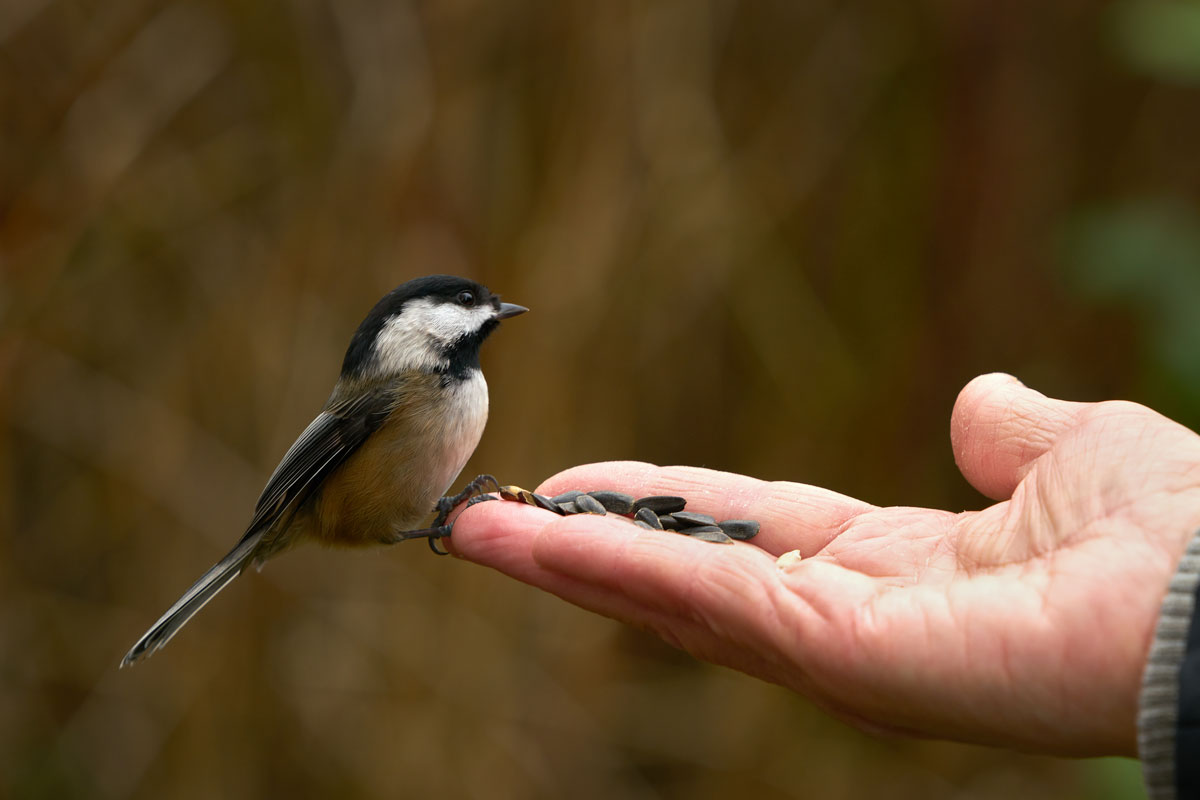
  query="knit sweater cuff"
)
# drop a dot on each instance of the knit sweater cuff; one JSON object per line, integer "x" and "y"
{"x": 1158, "y": 704}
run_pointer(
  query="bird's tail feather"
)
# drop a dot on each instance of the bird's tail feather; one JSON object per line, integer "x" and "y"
{"x": 194, "y": 599}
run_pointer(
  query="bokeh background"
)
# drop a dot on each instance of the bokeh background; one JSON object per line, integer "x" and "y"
{"x": 772, "y": 237}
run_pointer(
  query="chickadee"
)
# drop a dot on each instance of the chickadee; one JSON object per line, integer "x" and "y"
{"x": 404, "y": 417}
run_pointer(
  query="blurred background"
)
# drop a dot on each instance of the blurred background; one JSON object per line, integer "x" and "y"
{"x": 774, "y": 238}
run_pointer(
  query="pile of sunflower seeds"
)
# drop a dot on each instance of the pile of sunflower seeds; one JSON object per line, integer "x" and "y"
{"x": 658, "y": 512}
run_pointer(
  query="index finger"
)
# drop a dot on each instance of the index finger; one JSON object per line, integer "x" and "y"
{"x": 793, "y": 516}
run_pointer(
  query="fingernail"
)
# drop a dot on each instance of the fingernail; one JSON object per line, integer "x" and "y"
{"x": 788, "y": 560}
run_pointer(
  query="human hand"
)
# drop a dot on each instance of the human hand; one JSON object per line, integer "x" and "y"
{"x": 1024, "y": 625}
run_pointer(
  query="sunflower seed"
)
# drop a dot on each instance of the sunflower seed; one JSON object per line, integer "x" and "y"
{"x": 518, "y": 494}
{"x": 715, "y": 535}
{"x": 541, "y": 501}
{"x": 648, "y": 517}
{"x": 641, "y": 524}
{"x": 669, "y": 522}
{"x": 700, "y": 529}
{"x": 614, "y": 502}
{"x": 566, "y": 497}
{"x": 739, "y": 528}
{"x": 687, "y": 519}
{"x": 587, "y": 504}
{"x": 660, "y": 503}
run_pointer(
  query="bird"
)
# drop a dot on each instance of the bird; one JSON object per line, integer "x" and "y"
{"x": 407, "y": 411}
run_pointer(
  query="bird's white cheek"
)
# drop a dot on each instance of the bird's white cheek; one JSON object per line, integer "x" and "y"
{"x": 417, "y": 338}
{"x": 404, "y": 343}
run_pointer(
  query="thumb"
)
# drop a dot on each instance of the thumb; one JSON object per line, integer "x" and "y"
{"x": 999, "y": 428}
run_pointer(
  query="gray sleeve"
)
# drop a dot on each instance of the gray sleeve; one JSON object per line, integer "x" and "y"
{"x": 1158, "y": 704}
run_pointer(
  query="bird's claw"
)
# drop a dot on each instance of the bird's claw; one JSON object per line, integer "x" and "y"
{"x": 472, "y": 494}
{"x": 445, "y": 505}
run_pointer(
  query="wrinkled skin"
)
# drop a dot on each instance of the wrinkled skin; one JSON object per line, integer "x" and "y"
{"x": 1023, "y": 625}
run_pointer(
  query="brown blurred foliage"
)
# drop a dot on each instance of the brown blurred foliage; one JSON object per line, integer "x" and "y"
{"x": 768, "y": 237}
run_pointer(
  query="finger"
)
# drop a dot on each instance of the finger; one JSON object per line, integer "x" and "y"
{"x": 614, "y": 567}
{"x": 621, "y": 570}
{"x": 999, "y": 428}
{"x": 533, "y": 545}
{"x": 722, "y": 603}
{"x": 784, "y": 620}
{"x": 794, "y": 516}
{"x": 502, "y": 535}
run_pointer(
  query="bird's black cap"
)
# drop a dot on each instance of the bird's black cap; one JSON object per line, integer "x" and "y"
{"x": 443, "y": 288}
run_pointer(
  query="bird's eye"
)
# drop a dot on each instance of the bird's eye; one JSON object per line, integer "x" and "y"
{"x": 466, "y": 298}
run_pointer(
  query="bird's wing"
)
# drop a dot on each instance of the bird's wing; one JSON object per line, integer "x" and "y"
{"x": 324, "y": 445}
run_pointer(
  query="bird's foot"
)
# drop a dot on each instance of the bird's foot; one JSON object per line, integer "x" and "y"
{"x": 444, "y": 506}
{"x": 440, "y": 530}
{"x": 431, "y": 535}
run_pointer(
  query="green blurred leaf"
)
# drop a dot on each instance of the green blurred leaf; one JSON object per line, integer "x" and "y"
{"x": 1113, "y": 779}
{"x": 1146, "y": 256}
{"x": 1159, "y": 38}
{"x": 1149, "y": 248}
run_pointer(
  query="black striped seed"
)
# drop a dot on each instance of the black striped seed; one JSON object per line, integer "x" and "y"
{"x": 648, "y": 517}
{"x": 541, "y": 501}
{"x": 587, "y": 504}
{"x": 741, "y": 529}
{"x": 660, "y": 503}
{"x": 716, "y": 535}
{"x": 566, "y": 497}
{"x": 614, "y": 502}
{"x": 687, "y": 519}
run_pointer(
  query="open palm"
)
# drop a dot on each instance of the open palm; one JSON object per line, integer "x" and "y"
{"x": 1025, "y": 624}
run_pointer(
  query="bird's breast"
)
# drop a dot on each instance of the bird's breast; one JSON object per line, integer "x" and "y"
{"x": 392, "y": 482}
{"x": 461, "y": 428}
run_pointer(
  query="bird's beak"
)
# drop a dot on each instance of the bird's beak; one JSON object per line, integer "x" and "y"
{"x": 510, "y": 310}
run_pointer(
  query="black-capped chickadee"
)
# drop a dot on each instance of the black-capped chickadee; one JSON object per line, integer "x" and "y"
{"x": 404, "y": 417}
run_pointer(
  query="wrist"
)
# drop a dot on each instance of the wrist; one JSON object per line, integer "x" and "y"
{"x": 1159, "y": 700}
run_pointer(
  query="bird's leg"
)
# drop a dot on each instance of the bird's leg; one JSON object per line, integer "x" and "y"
{"x": 442, "y": 531}
{"x": 472, "y": 494}
{"x": 436, "y": 532}
{"x": 443, "y": 507}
